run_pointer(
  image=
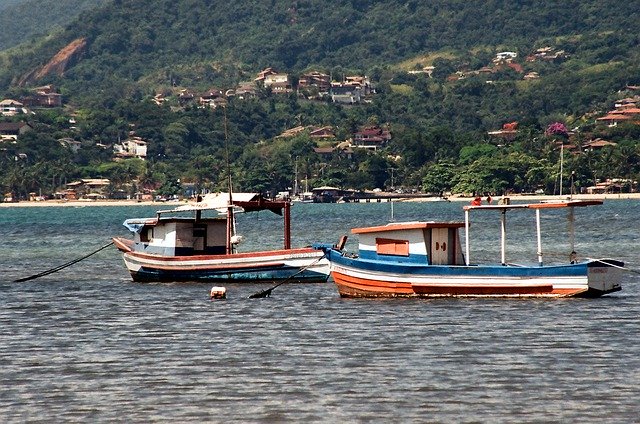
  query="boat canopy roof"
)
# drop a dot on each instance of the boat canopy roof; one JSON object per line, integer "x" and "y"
{"x": 249, "y": 202}
{"x": 399, "y": 226}
{"x": 553, "y": 204}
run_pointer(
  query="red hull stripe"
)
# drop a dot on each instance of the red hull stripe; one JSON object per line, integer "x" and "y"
{"x": 482, "y": 290}
{"x": 371, "y": 285}
{"x": 353, "y": 286}
{"x": 231, "y": 256}
{"x": 187, "y": 267}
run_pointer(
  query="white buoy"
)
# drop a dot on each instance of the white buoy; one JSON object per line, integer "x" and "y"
{"x": 218, "y": 293}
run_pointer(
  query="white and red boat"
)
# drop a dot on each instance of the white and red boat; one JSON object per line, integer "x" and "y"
{"x": 426, "y": 259}
{"x": 183, "y": 244}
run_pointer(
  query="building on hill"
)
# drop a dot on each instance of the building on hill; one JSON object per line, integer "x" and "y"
{"x": 315, "y": 79}
{"x": 45, "y": 97}
{"x": 597, "y": 144}
{"x": 371, "y": 137}
{"x": 10, "y": 107}
{"x": 186, "y": 97}
{"x": 87, "y": 188}
{"x": 213, "y": 98}
{"x": 70, "y": 144}
{"x": 428, "y": 70}
{"x": 278, "y": 83}
{"x": 505, "y": 57}
{"x": 613, "y": 119}
{"x": 323, "y": 133}
{"x": 244, "y": 90}
{"x": 133, "y": 147}
{"x": 264, "y": 74}
{"x": 507, "y": 132}
{"x": 10, "y": 131}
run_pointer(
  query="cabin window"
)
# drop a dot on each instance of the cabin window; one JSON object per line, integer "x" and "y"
{"x": 146, "y": 235}
{"x": 392, "y": 247}
{"x": 199, "y": 231}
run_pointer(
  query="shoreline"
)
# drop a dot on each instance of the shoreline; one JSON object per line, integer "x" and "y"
{"x": 545, "y": 197}
{"x": 528, "y": 198}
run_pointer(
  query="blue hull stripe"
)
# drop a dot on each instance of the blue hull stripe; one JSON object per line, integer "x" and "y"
{"x": 568, "y": 270}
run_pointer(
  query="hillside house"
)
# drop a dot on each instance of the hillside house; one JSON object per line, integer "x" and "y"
{"x": 507, "y": 132}
{"x": 371, "y": 137}
{"x": 342, "y": 93}
{"x": 264, "y": 74}
{"x": 10, "y": 131}
{"x": 70, "y": 144}
{"x": 213, "y": 98}
{"x": 244, "y": 90}
{"x": 159, "y": 99}
{"x": 597, "y": 144}
{"x": 44, "y": 96}
{"x": 10, "y": 107}
{"x": 425, "y": 70}
{"x": 324, "y": 133}
{"x": 279, "y": 83}
{"x": 186, "y": 97}
{"x": 546, "y": 54}
{"x": 613, "y": 119}
{"x": 505, "y": 57}
{"x": 86, "y": 187}
{"x": 133, "y": 147}
{"x": 315, "y": 79}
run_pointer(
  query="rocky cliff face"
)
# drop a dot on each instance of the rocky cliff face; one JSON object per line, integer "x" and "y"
{"x": 62, "y": 61}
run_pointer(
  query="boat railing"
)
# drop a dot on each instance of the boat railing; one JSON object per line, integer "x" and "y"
{"x": 503, "y": 208}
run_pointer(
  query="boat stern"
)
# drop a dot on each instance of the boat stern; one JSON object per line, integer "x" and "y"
{"x": 604, "y": 276}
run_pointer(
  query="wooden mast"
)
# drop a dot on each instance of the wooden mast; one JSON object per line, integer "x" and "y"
{"x": 287, "y": 225}
{"x": 229, "y": 245}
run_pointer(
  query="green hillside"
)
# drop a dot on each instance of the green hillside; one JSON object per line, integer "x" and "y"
{"x": 137, "y": 40}
{"x": 131, "y": 50}
{"x": 21, "y": 20}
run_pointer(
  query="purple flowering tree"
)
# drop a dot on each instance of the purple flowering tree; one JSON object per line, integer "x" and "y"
{"x": 557, "y": 129}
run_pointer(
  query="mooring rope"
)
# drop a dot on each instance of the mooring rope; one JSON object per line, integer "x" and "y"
{"x": 59, "y": 267}
{"x": 606, "y": 262}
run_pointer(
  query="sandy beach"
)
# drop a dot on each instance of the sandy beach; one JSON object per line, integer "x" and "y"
{"x": 527, "y": 198}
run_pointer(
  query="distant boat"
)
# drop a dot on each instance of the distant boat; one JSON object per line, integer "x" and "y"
{"x": 426, "y": 259}
{"x": 306, "y": 197}
{"x": 182, "y": 244}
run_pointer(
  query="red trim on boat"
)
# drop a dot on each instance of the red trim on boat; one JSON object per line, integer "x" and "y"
{"x": 265, "y": 253}
{"x": 354, "y": 286}
{"x": 123, "y": 244}
{"x": 407, "y": 226}
{"x": 372, "y": 286}
{"x": 211, "y": 267}
{"x": 457, "y": 290}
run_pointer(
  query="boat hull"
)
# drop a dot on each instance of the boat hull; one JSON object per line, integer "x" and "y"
{"x": 362, "y": 278}
{"x": 295, "y": 265}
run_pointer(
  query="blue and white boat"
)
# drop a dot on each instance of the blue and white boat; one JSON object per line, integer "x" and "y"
{"x": 427, "y": 259}
{"x": 198, "y": 242}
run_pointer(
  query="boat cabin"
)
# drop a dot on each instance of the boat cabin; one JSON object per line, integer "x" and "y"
{"x": 186, "y": 231}
{"x": 431, "y": 243}
{"x": 179, "y": 236}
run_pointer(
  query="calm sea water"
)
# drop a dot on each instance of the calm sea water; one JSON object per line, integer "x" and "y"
{"x": 87, "y": 344}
